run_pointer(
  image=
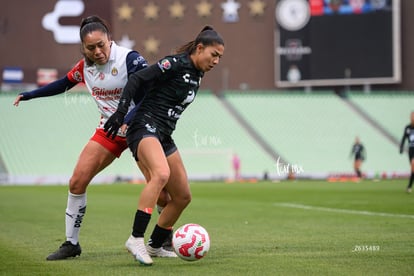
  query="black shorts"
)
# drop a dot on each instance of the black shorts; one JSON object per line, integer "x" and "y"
{"x": 359, "y": 157}
{"x": 134, "y": 136}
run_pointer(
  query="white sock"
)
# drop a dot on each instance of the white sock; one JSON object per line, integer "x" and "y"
{"x": 75, "y": 211}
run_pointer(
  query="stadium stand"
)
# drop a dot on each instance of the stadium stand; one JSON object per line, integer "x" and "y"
{"x": 391, "y": 110}
{"x": 41, "y": 139}
{"x": 208, "y": 136}
{"x": 316, "y": 131}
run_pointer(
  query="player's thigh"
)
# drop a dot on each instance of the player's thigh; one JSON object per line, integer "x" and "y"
{"x": 93, "y": 158}
{"x": 152, "y": 160}
{"x": 412, "y": 164}
{"x": 144, "y": 171}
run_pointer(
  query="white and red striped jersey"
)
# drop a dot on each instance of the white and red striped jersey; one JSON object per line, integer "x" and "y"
{"x": 106, "y": 82}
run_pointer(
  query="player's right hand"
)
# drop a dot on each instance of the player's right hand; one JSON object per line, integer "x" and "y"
{"x": 17, "y": 100}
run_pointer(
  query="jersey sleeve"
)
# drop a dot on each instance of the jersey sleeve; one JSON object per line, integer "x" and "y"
{"x": 137, "y": 83}
{"x": 135, "y": 62}
{"x": 168, "y": 66}
{"x": 403, "y": 139}
{"x": 76, "y": 73}
{"x": 352, "y": 150}
{"x": 363, "y": 153}
{"x": 162, "y": 70}
{"x": 73, "y": 77}
{"x": 53, "y": 88}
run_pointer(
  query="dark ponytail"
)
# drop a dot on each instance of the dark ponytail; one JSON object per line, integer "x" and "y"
{"x": 207, "y": 37}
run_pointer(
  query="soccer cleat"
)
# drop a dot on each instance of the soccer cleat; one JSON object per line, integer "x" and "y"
{"x": 66, "y": 250}
{"x": 160, "y": 252}
{"x": 136, "y": 247}
{"x": 409, "y": 190}
{"x": 167, "y": 244}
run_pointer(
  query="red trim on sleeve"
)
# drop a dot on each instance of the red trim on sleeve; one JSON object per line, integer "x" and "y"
{"x": 76, "y": 73}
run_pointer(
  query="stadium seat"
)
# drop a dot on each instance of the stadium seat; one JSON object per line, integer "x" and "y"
{"x": 317, "y": 131}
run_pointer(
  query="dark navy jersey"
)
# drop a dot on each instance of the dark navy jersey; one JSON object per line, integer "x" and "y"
{"x": 171, "y": 85}
{"x": 408, "y": 135}
{"x": 358, "y": 151}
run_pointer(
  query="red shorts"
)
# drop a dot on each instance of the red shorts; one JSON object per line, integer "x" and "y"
{"x": 115, "y": 146}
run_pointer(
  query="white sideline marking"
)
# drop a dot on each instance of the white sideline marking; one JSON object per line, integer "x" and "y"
{"x": 344, "y": 211}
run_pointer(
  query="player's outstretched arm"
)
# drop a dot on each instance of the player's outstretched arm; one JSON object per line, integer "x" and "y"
{"x": 53, "y": 88}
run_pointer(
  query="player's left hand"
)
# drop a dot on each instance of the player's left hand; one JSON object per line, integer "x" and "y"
{"x": 113, "y": 124}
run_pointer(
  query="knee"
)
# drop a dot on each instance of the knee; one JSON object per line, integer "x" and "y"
{"x": 184, "y": 199}
{"x": 161, "y": 176}
{"x": 77, "y": 184}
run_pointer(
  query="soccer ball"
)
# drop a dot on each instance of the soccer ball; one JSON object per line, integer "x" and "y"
{"x": 191, "y": 242}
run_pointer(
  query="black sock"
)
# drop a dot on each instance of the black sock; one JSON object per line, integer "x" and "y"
{"x": 140, "y": 224}
{"x": 411, "y": 180}
{"x": 359, "y": 174}
{"x": 158, "y": 236}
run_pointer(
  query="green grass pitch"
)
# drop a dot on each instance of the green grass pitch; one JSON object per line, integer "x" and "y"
{"x": 286, "y": 228}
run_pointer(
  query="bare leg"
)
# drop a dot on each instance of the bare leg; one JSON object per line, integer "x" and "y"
{"x": 93, "y": 158}
{"x": 178, "y": 188}
{"x": 154, "y": 166}
{"x": 357, "y": 166}
{"x": 164, "y": 196}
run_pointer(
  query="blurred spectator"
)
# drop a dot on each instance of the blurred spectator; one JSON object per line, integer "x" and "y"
{"x": 236, "y": 166}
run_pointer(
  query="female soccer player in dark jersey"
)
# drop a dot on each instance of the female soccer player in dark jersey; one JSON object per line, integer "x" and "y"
{"x": 104, "y": 70}
{"x": 358, "y": 151}
{"x": 409, "y": 135}
{"x": 172, "y": 84}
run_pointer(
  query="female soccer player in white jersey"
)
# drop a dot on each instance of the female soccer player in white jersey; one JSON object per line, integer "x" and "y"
{"x": 104, "y": 70}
